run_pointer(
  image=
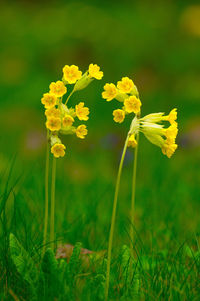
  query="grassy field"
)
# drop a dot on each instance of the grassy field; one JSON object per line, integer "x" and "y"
{"x": 158, "y": 47}
{"x": 166, "y": 227}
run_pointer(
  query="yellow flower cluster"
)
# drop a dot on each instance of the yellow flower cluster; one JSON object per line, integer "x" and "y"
{"x": 61, "y": 118}
{"x": 165, "y": 138}
{"x": 126, "y": 92}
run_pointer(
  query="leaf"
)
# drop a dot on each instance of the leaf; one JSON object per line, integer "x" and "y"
{"x": 51, "y": 274}
{"x": 75, "y": 258}
{"x": 24, "y": 264}
{"x": 74, "y": 265}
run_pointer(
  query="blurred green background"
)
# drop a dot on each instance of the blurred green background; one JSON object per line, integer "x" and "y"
{"x": 157, "y": 44}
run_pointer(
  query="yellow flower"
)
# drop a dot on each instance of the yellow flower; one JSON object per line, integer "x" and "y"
{"x": 172, "y": 116}
{"x": 125, "y": 85}
{"x": 132, "y": 142}
{"x": 53, "y": 124}
{"x": 155, "y": 132}
{"x": 110, "y": 92}
{"x": 71, "y": 73}
{"x": 58, "y": 88}
{"x": 53, "y": 112}
{"x": 82, "y": 112}
{"x": 94, "y": 71}
{"x": 168, "y": 149}
{"x": 58, "y": 150}
{"x": 132, "y": 104}
{"x": 48, "y": 100}
{"x": 81, "y": 131}
{"x": 68, "y": 120}
{"x": 119, "y": 115}
{"x": 171, "y": 133}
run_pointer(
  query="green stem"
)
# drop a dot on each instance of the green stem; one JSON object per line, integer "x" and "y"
{"x": 52, "y": 216}
{"x": 69, "y": 96}
{"x": 133, "y": 195}
{"x": 110, "y": 242}
{"x": 46, "y": 194}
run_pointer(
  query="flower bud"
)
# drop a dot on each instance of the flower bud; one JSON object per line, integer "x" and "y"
{"x": 68, "y": 131}
{"x": 54, "y": 140}
{"x": 121, "y": 97}
{"x": 83, "y": 82}
{"x": 134, "y": 91}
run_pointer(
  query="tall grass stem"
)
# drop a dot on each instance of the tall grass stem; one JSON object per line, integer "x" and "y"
{"x": 112, "y": 227}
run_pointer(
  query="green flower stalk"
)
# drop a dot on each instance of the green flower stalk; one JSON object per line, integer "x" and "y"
{"x": 112, "y": 227}
{"x": 133, "y": 194}
{"x": 46, "y": 194}
{"x": 52, "y": 217}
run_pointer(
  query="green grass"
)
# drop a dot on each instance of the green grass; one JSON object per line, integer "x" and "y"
{"x": 167, "y": 260}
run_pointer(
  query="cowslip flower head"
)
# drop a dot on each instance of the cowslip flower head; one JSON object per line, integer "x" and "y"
{"x": 81, "y": 131}
{"x": 49, "y": 100}
{"x": 57, "y": 88}
{"x": 110, "y": 92}
{"x": 60, "y": 118}
{"x": 125, "y": 85}
{"x": 118, "y": 115}
{"x": 67, "y": 120}
{"x": 150, "y": 125}
{"x": 153, "y": 129}
{"x": 132, "y": 104}
{"x": 53, "y": 124}
{"x": 71, "y": 74}
{"x": 58, "y": 150}
{"x": 94, "y": 71}
{"x": 125, "y": 92}
{"x": 82, "y": 112}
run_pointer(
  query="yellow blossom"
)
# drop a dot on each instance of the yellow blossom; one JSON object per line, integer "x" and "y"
{"x": 71, "y": 73}
{"x": 169, "y": 148}
{"x": 172, "y": 116}
{"x": 119, "y": 115}
{"x": 132, "y": 142}
{"x": 155, "y": 132}
{"x": 82, "y": 112}
{"x": 58, "y": 88}
{"x": 171, "y": 133}
{"x": 132, "y": 104}
{"x": 53, "y": 112}
{"x": 67, "y": 120}
{"x": 110, "y": 92}
{"x": 94, "y": 71}
{"x": 49, "y": 100}
{"x": 125, "y": 85}
{"x": 81, "y": 131}
{"x": 53, "y": 124}
{"x": 58, "y": 150}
